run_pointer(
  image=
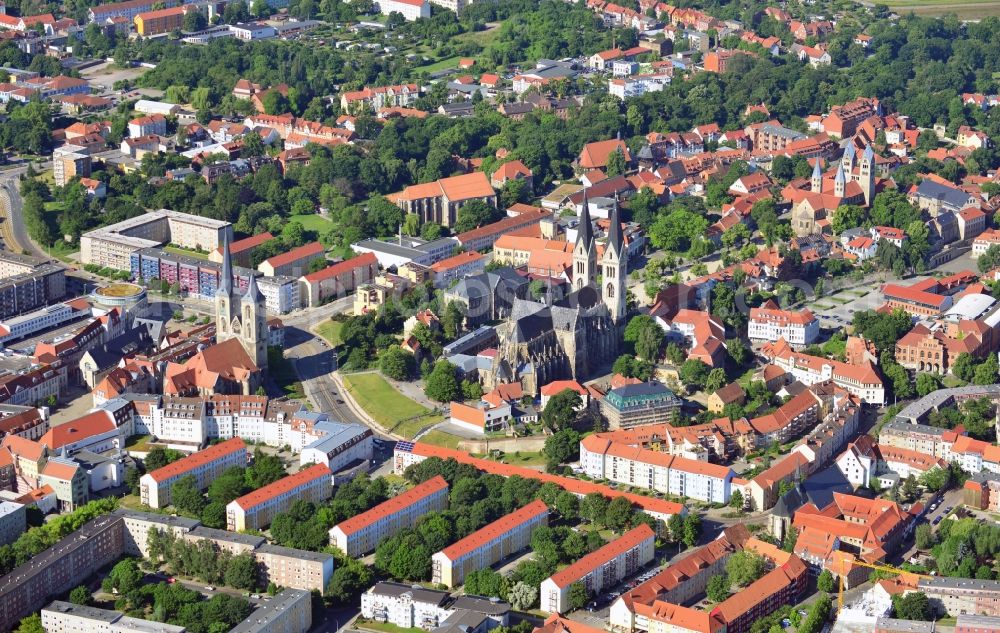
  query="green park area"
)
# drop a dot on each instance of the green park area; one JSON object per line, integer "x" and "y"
{"x": 330, "y": 330}
{"x": 387, "y": 406}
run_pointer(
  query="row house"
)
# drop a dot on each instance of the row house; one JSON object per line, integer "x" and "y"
{"x": 363, "y": 533}
{"x": 865, "y": 459}
{"x": 488, "y": 545}
{"x": 256, "y": 510}
{"x": 205, "y": 466}
{"x": 381, "y": 97}
{"x": 598, "y": 570}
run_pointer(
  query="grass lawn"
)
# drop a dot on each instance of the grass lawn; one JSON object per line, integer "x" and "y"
{"x": 387, "y": 406}
{"x": 951, "y": 381}
{"x": 965, "y": 9}
{"x": 330, "y": 330}
{"x": 312, "y": 223}
{"x": 140, "y": 443}
{"x": 384, "y": 627}
{"x": 183, "y": 251}
{"x": 451, "y": 62}
{"x": 440, "y": 438}
{"x": 821, "y": 306}
{"x": 525, "y": 458}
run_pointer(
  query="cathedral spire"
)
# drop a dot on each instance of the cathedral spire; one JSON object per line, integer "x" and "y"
{"x": 585, "y": 234}
{"x": 226, "y": 282}
{"x": 615, "y": 239}
{"x": 253, "y": 293}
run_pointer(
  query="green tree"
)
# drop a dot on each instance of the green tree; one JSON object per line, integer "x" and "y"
{"x": 692, "y": 529}
{"x": 80, "y": 595}
{"x": 241, "y": 572}
{"x": 616, "y": 163}
{"x": 744, "y": 567}
{"x": 718, "y": 588}
{"x": 578, "y": 596}
{"x": 194, "y": 21}
{"x": 925, "y": 537}
{"x": 474, "y": 214}
{"x": 125, "y": 576}
{"x": 825, "y": 582}
{"x": 562, "y": 447}
{"x": 716, "y": 380}
{"x": 593, "y": 507}
{"x": 561, "y": 410}
{"x": 694, "y": 373}
{"x": 31, "y": 624}
{"x": 913, "y": 606}
{"x": 442, "y": 384}
{"x": 397, "y": 363}
{"x": 618, "y": 514}
{"x": 522, "y": 596}
{"x": 349, "y": 580}
{"x": 186, "y": 496}
{"x": 964, "y": 367}
{"x": 228, "y": 486}
{"x": 264, "y": 470}
{"x": 736, "y": 500}
{"x": 927, "y": 383}
{"x": 986, "y": 372}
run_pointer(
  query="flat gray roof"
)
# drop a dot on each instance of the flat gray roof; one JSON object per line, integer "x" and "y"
{"x": 294, "y": 553}
{"x": 233, "y": 537}
{"x": 165, "y": 519}
{"x": 266, "y": 613}
{"x": 79, "y": 610}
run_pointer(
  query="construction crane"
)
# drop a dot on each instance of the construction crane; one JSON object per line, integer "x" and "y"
{"x": 861, "y": 563}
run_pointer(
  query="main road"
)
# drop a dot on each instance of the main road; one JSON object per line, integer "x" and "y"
{"x": 15, "y": 236}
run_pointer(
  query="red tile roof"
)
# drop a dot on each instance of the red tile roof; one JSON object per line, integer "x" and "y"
{"x": 245, "y": 244}
{"x": 283, "y": 485}
{"x": 394, "y": 505}
{"x": 366, "y": 259}
{"x": 495, "y": 530}
{"x": 576, "y": 486}
{"x": 189, "y": 463}
{"x": 309, "y": 250}
{"x": 593, "y": 560}
{"x": 80, "y": 429}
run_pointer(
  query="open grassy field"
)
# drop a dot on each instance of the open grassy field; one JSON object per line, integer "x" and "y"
{"x": 330, "y": 330}
{"x": 387, "y": 406}
{"x": 313, "y": 223}
{"x": 185, "y": 251}
{"x": 440, "y": 438}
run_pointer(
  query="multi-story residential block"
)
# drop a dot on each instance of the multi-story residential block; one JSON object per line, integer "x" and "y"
{"x": 447, "y": 271}
{"x": 102, "y": 14}
{"x": 920, "y": 438}
{"x": 410, "y": 9}
{"x": 967, "y": 623}
{"x": 205, "y": 466}
{"x": 861, "y": 380}
{"x": 439, "y": 201}
{"x": 256, "y": 510}
{"x": 635, "y": 405}
{"x": 607, "y": 566}
{"x": 481, "y": 417}
{"x": 299, "y": 569}
{"x": 112, "y": 246}
{"x": 70, "y": 162}
{"x": 159, "y": 21}
{"x": 380, "y": 97}
{"x": 290, "y": 611}
{"x": 13, "y": 521}
{"x": 484, "y": 237}
{"x": 655, "y": 470}
{"x": 149, "y": 124}
{"x": 338, "y": 280}
{"x": 770, "y": 323}
{"x": 488, "y": 545}
{"x": 66, "y": 617}
{"x": 60, "y": 568}
{"x": 956, "y": 596}
{"x": 982, "y": 491}
{"x": 864, "y": 459}
{"x": 362, "y": 533}
{"x": 293, "y": 263}
{"x": 405, "y": 606}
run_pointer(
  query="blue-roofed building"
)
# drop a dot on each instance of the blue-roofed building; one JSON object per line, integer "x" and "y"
{"x": 643, "y": 403}
{"x": 342, "y": 445}
{"x": 936, "y": 198}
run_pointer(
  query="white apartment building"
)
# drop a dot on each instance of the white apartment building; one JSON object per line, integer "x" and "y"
{"x": 410, "y": 9}
{"x": 155, "y": 487}
{"x": 860, "y": 380}
{"x": 488, "y": 545}
{"x": 256, "y": 510}
{"x": 187, "y": 423}
{"x": 770, "y": 323}
{"x": 66, "y": 617}
{"x": 362, "y": 533}
{"x": 42, "y": 319}
{"x": 655, "y": 470}
{"x": 295, "y": 568}
{"x": 288, "y": 612}
{"x": 406, "y": 606}
{"x": 149, "y": 124}
{"x": 113, "y": 245}
{"x": 480, "y": 418}
{"x": 606, "y": 567}
{"x": 638, "y": 85}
